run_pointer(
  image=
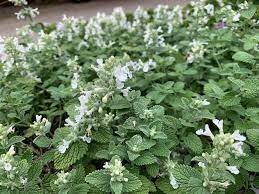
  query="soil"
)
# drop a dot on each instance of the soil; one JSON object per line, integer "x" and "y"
{"x": 54, "y": 12}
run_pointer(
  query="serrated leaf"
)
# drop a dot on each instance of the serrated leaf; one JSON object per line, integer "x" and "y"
{"x": 152, "y": 169}
{"x": 132, "y": 184}
{"x": 244, "y": 57}
{"x": 100, "y": 179}
{"x": 183, "y": 174}
{"x": 119, "y": 102}
{"x": 75, "y": 152}
{"x": 164, "y": 185}
{"x": 82, "y": 188}
{"x": 253, "y": 137}
{"x": 193, "y": 142}
{"x": 251, "y": 163}
{"x": 42, "y": 141}
{"x": 35, "y": 170}
{"x": 116, "y": 187}
{"x": 160, "y": 149}
{"x": 249, "y": 13}
{"x": 145, "y": 159}
{"x": 15, "y": 139}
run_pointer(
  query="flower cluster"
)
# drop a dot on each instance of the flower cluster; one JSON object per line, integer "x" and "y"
{"x": 41, "y": 126}
{"x": 19, "y": 2}
{"x": 116, "y": 170}
{"x": 7, "y": 160}
{"x": 225, "y": 145}
{"x": 197, "y": 51}
{"x": 4, "y": 132}
{"x": 63, "y": 178}
{"x": 27, "y": 12}
{"x": 92, "y": 102}
{"x": 154, "y": 37}
{"x": 76, "y": 69}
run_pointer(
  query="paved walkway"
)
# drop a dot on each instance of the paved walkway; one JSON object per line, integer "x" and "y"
{"x": 54, "y": 13}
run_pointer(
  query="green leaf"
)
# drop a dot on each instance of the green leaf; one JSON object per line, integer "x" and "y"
{"x": 249, "y": 13}
{"x": 152, "y": 169}
{"x": 42, "y": 141}
{"x": 35, "y": 170}
{"x": 82, "y": 188}
{"x": 118, "y": 102}
{"x": 145, "y": 159}
{"x": 193, "y": 142}
{"x": 183, "y": 174}
{"x": 137, "y": 143}
{"x": 75, "y": 152}
{"x": 251, "y": 163}
{"x": 100, "y": 179}
{"x": 164, "y": 185}
{"x": 196, "y": 186}
{"x": 132, "y": 156}
{"x": 253, "y": 137}
{"x": 230, "y": 100}
{"x": 244, "y": 57}
{"x": 116, "y": 187}
{"x": 132, "y": 184}
{"x": 15, "y": 139}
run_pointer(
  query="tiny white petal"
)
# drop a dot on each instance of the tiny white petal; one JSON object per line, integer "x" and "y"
{"x": 200, "y": 132}
{"x": 233, "y": 169}
{"x": 8, "y": 166}
{"x": 173, "y": 182}
{"x": 236, "y": 135}
{"x": 218, "y": 123}
{"x": 201, "y": 164}
{"x": 238, "y": 147}
{"x": 63, "y": 147}
{"x": 207, "y": 131}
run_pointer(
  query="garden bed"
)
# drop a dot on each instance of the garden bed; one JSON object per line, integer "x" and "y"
{"x": 163, "y": 100}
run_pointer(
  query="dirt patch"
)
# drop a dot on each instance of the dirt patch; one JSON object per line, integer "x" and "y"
{"x": 54, "y": 13}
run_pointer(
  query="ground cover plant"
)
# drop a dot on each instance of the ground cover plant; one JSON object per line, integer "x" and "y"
{"x": 163, "y": 100}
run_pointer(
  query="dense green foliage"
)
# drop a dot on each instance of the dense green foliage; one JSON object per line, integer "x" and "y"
{"x": 118, "y": 103}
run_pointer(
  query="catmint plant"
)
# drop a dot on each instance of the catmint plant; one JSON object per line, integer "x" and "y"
{"x": 115, "y": 104}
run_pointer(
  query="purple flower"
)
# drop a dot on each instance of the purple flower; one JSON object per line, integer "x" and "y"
{"x": 220, "y": 25}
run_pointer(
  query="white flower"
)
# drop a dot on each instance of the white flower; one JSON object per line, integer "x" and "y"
{"x": 11, "y": 151}
{"x": 122, "y": 74}
{"x": 60, "y": 26}
{"x": 18, "y": 2}
{"x": 205, "y": 102}
{"x": 201, "y": 164}
{"x": 238, "y": 147}
{"x": 125, "y": 91}
{"x": 173, "y": 182}
{"x": 236, "y": 17}
{"x": 190, "y": 58}
{"x": 64, "y": 146}
{"x": 149, "y": 64}
{"x": 218, "y": 123}
{"x": 23, "y": 180}
{"x": 233, "y": 169}
{"x": 7, "y": 166}
{"x": 75, "y": 80}
{"x": 205, "y": 132}
{"x": 236, "y": 136}
{"x": 210, "y": 9}
{"x": 70, "y": 123}
{"x": 221, "y": 3}
{"x": 85, "y": 138}
{"x": 38, "y": 118}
